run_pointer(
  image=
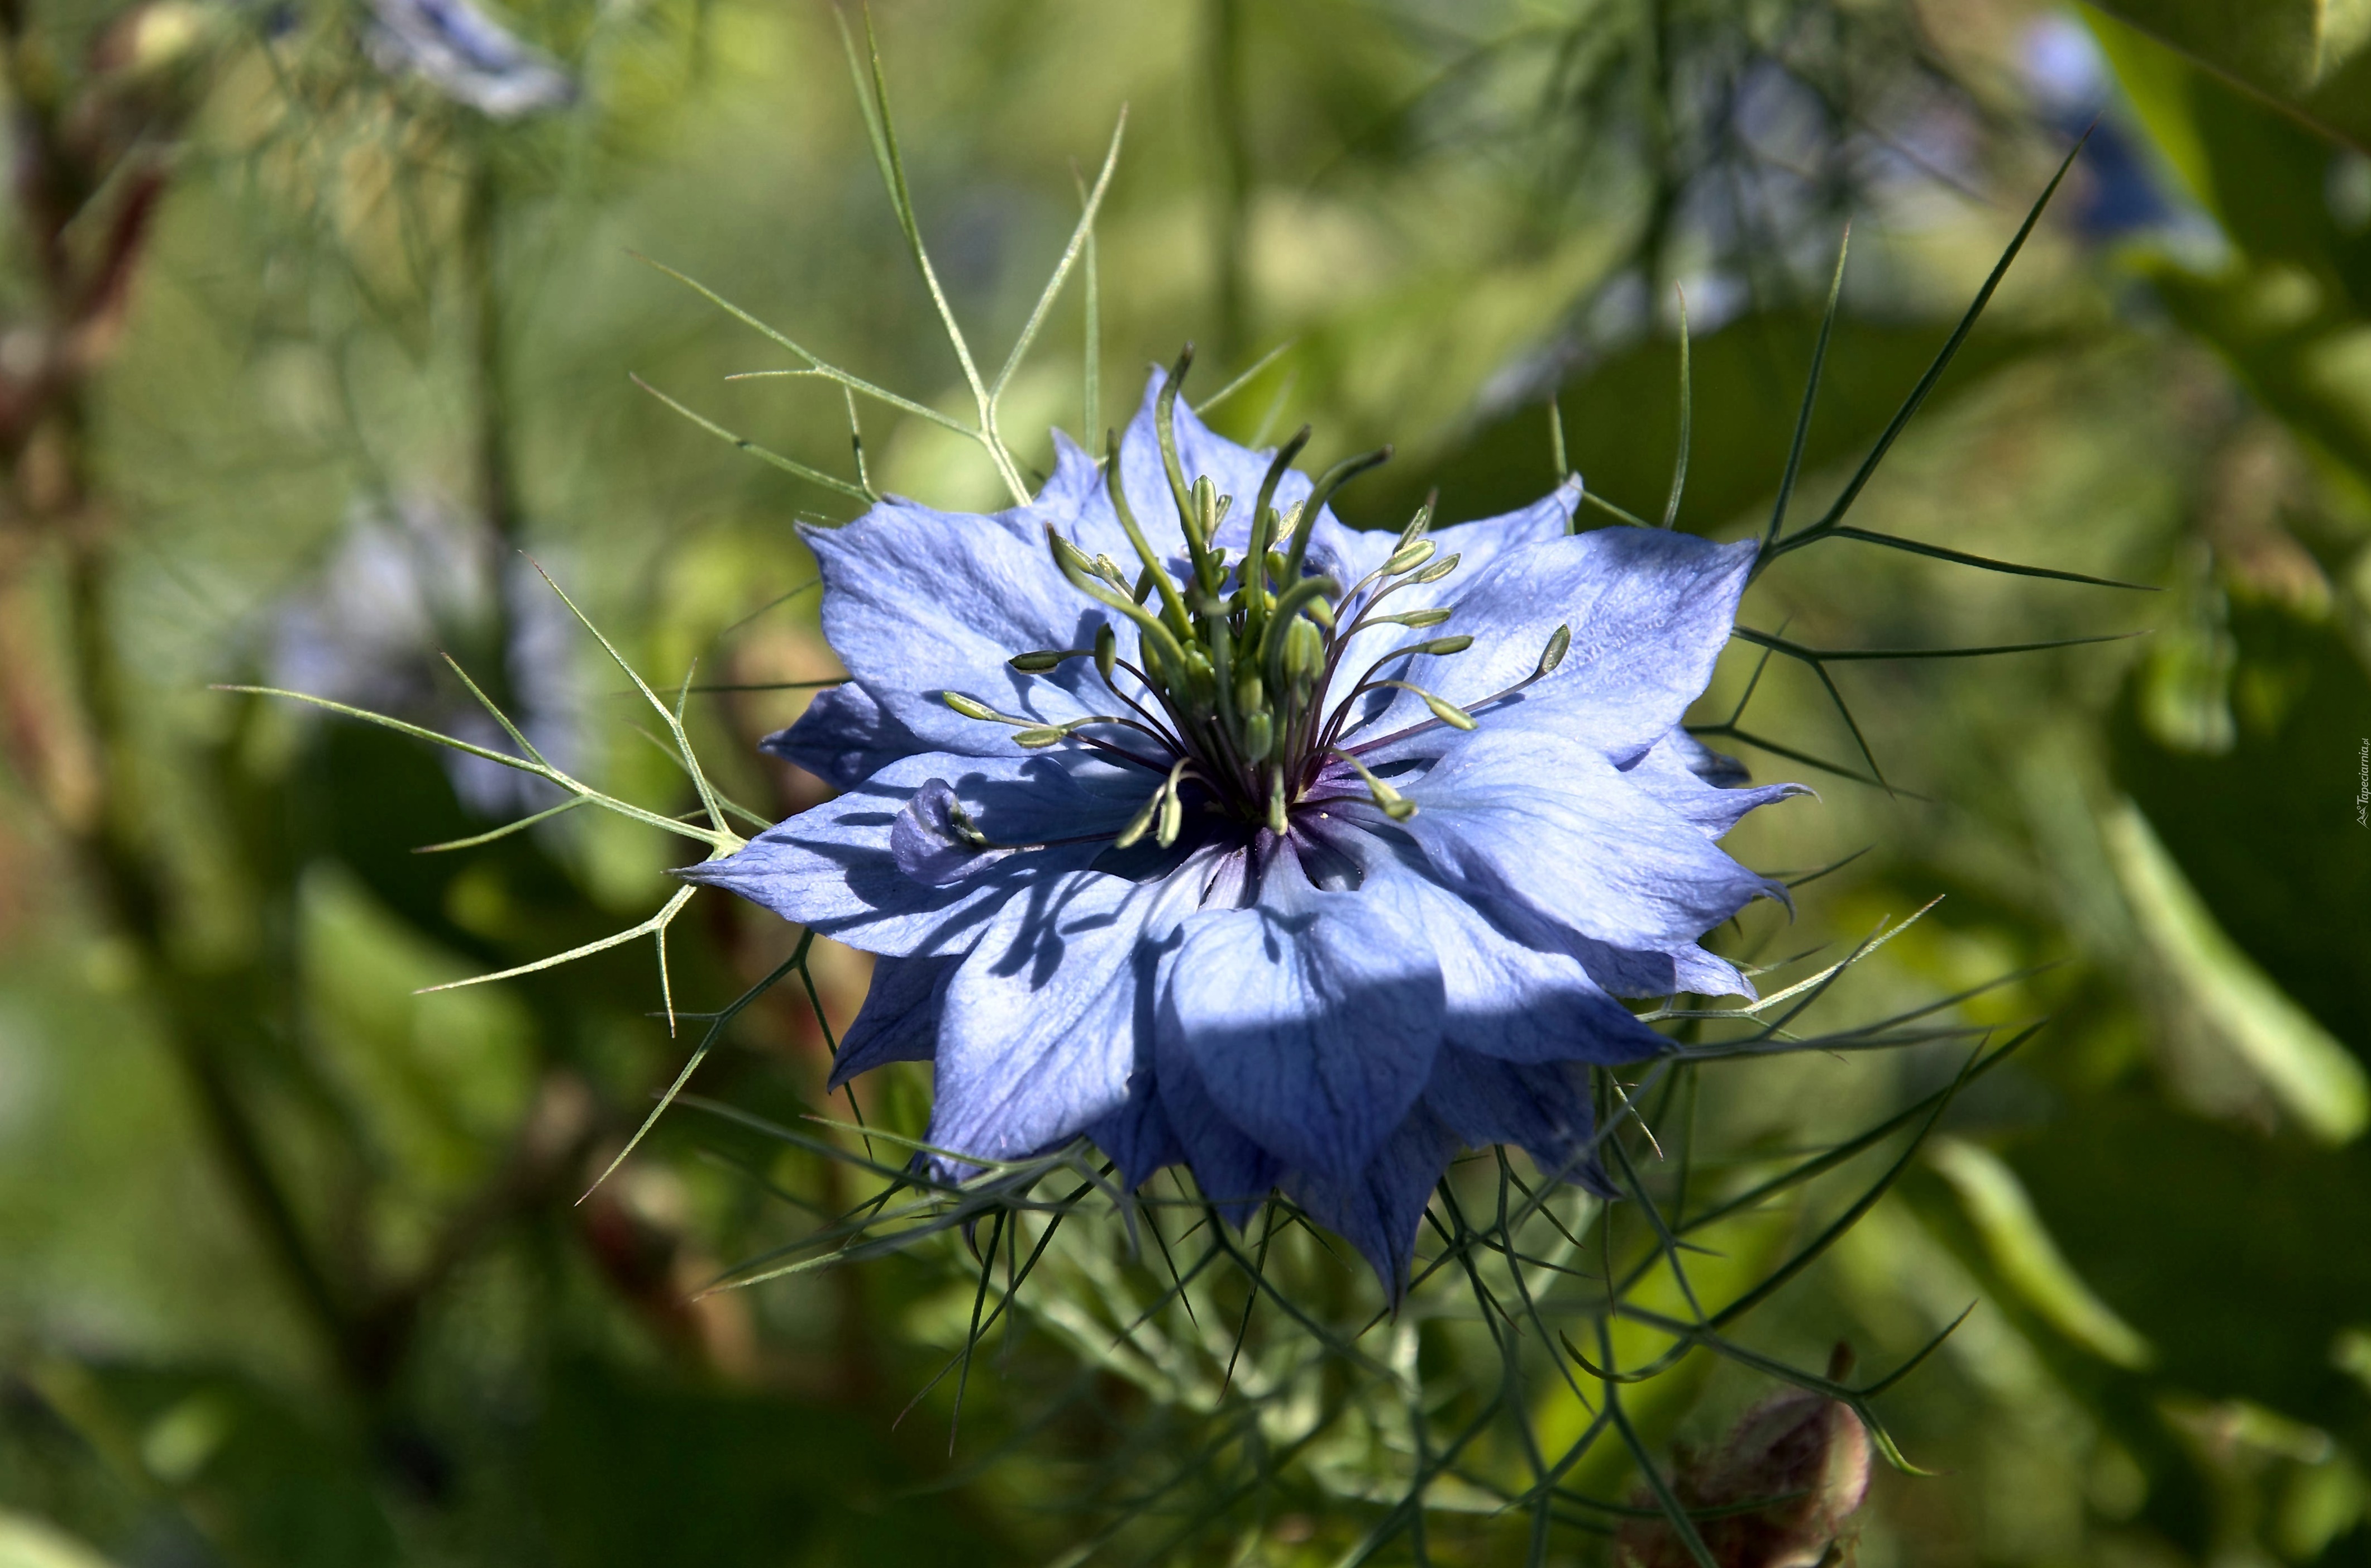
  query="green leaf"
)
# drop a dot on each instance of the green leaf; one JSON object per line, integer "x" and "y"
{"x": 2311, "y": 1076}
{"x": 2312, "y": 58}
{"x": 2028, "y": 1260}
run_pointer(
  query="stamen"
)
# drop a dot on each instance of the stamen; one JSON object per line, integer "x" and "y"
{"x": 1044, "y": 660}
{"x": 1442, "y": 709}
{"x": 1394, "y": 805}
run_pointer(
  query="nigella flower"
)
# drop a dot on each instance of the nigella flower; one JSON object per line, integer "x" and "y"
{"x": 1185, "y": 818}
{"x": 469, "y": 56}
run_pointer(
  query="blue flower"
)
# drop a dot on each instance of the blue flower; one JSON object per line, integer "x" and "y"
{"x": 1176, "y": 823}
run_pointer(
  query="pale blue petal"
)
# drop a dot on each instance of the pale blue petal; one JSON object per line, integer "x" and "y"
{"x": 1309, "y": 1017}
{"x": 1721, "y": 771}
{"x": 899, "y": 1019}
{"x": 1513, "y": 819}
{"x": 918, "y": 603}
{"x": 843, "y": 738}
{"x": 835, "y": 868}
{"x": 1048, "y": 1018}
{"x": 1649, "y": 612}
{"x": 1475, "y": 545}
{"x": 1671, "y": 774}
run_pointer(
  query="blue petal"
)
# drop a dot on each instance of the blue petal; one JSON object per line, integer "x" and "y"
{"x": 1479, "y": 542}
{"x": 1714, "y": 768}
{"x": 1675, "y": 774}
{"x": 1311, "y": 1018}
{"x": 917, "y": 603}
{"x": 1504, "y": 998}
{"x": 835, "y": 868}
{"x": 899, "y": 1019}
{"x": 927, "y": 843}
{"x": 1475, "y": 545}
{"x": 1380, "y": 1209}
{"x": 1649, "y": 612}
{"x": 1554, "y": 832}
{"x": 1048, "y": 1016}
{"x": 843, "y": 738}
{"x": 1234, "y": 1173}
{"x": 1137, "y": 1137}
{"x": 1542, "y": 1107}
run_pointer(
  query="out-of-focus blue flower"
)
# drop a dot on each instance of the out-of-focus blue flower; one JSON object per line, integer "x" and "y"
{"x": 1177, "y": 824}
{"x": 468, "y": 57}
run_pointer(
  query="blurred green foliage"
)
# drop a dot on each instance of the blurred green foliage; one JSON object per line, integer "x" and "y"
{"x": 296, "y": 353}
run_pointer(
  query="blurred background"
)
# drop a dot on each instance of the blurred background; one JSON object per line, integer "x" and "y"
{"x": 317, "y": 319}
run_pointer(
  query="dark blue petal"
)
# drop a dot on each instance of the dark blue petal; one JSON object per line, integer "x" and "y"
{"x": 899, "y": 1019}
{"x": 1543, "y": 1108}
{"x": 1504, "y": 998}
{"x": 1310, "y": 1017}
{"x": 1234, "y": 1173}
{"x": 1138, "y": 1137}
{"x": 1380, "y": 1210}
{"x": 843, "y": 738}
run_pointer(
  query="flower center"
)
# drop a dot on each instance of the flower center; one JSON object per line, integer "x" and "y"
{"x": 1234, "y": 702}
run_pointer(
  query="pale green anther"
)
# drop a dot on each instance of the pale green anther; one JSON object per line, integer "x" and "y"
{"x": 1442, "y": 709}
{"x": 1206, "y": 510}
{"x": 1110, "y": 571}
{"x": 1037, "y": 739}
{"x": 1276, "y": 566}
{"x": 1304, "y": 654}
{"x": 1438, "y": 569}
{"x": 1172, "y": 815}
{"x": 1396, "y": 806}
{"x": 1559, "y": 642}
{"x": 1141, "y": 822}
{"x": 1251, "y": 695}
{"x": 970, "y": 708}
{"x": 1040, "y": 661}
{"x": 1457, "y": 644}
{"x": 1421, "y": 523}
{"x": 1414, "y": 620}
{"x": 1277, "y": 821}
{"x": 1200, "y": 681}
{"x": 1410, "y": 556}
{"x": 1321, "y": 610}
{"x": 1447, "y": 712}
{"x": 1259, "y": 733}
{"x": 964, "y": 829}
{"x": 1107, "y": 651}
